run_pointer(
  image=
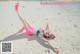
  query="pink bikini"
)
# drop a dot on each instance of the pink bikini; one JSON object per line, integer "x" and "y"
{"x": 29, "y": 31}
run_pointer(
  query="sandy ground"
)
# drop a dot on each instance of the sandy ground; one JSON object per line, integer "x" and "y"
{"x": 64, "y": 21}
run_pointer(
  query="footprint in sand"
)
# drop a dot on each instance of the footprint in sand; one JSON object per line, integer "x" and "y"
{"x": 59, "y": 13}
{"x": 11, "y": 24}
{"x": 75, "y": 26}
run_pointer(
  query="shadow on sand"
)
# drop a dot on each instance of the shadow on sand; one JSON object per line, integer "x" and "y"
{"x": 17, "y": 36}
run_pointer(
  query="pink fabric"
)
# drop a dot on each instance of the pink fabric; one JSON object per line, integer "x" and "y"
{"x": 16, "y": 6}
{"x": 30, "y": 31}
{"x": 21, "y": 30}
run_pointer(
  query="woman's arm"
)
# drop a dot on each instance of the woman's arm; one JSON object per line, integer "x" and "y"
{"x": 47, "y": 27}
{"x": 23, "y": 22}
{"x": 54, "y": 49}
{"x": 42, "y": 38}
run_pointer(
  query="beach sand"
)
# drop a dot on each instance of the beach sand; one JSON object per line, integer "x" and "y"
{"x": 64, "y": 22}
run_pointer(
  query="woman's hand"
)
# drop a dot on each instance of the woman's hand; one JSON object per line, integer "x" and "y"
{"x": 56, "y": 50}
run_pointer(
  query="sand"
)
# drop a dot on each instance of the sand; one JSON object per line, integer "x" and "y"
{"x": 64, "y": 21}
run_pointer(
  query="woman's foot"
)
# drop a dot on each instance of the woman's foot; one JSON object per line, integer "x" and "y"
{"x": 16, "y": 6}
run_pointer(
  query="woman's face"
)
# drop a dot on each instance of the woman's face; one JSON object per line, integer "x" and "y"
{"x": 52, "y": 36}
{"x": 47, "y": 33}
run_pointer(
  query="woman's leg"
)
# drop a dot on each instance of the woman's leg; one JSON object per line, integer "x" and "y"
{"x": 27, "y": 24}
{"x": 16, "y": 9}
{"x": 23, "y": 22}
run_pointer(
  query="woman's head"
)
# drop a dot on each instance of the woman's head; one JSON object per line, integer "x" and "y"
{"x": 52, "y": 36}
{"x": 48, "y": 35}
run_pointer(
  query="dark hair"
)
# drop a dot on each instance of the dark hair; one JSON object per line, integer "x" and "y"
{"x": 49, "y": 37}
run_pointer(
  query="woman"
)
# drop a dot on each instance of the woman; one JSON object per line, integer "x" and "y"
{"x": 44, "y": 35}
